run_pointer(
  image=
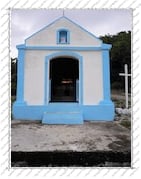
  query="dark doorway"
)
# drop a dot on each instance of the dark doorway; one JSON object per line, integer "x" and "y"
{"x": 64, "y": 75}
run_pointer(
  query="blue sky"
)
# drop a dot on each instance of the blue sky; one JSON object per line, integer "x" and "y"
{"x": 99, "y": 22}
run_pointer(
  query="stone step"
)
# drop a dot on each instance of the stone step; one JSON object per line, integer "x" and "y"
{"x": 74, "y": 117}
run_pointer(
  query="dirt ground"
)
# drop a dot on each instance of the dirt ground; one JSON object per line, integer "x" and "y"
{"x": 91, "y": 136}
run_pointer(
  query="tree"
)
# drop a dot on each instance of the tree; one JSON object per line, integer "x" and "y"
{"x": 120, "y": 54}
{"x": 13, "y": 76}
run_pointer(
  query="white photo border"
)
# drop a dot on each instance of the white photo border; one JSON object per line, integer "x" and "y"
{"x": 5, "y": 88}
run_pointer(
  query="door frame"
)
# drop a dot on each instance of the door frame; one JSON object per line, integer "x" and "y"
{"x": 47, "y": 80}
{"x": 74, "y": 96}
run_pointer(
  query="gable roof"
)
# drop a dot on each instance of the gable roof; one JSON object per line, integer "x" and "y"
{"x": 66, "y": 18}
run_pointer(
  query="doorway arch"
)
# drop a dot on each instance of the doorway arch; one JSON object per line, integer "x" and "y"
{"x": 67, "y": 78}
{"x": 64, "y": 77}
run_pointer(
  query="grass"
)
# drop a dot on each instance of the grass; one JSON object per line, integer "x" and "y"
{"x": 120, "y": 103}
{"x": 118, "y": 97}
{"x": 13, "y": 98}
{"x": 126, "y": 124}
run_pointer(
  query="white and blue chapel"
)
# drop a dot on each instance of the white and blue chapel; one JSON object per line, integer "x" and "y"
{"x": 63, "y": 76}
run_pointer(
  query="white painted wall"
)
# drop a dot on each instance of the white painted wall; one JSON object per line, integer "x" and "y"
{"x": 93, "y": 78}
{"x": 34, "y": 77}
{"x": 78, "y": 37}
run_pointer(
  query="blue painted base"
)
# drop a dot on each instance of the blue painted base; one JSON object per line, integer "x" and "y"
{"x": 101, "y": 112}
{"x": 62, "y": 118}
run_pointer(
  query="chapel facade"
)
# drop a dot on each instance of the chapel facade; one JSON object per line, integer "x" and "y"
{"x": 63, "y": 76}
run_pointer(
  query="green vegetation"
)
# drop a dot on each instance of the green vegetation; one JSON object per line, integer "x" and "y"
{"x": 120, "y": 54}
{"x": 13, "y": 98}
{"x": 13, "y": 76}
{"x": 126, "y": 123}
{"x": 120, "y": 103}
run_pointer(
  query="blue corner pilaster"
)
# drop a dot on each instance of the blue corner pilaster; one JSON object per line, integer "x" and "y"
{"x": 106, "y": 76}
{"x": 20, "y": 74}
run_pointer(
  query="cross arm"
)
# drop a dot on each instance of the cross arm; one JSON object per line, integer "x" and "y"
{"x": 123, "y": 74}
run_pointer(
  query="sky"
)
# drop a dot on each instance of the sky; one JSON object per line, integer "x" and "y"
{"x": 99, "y": 22}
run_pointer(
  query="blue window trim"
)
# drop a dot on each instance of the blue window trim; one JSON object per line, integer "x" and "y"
{"x": 58, "y": 36}
{"x": 46, "y": 73}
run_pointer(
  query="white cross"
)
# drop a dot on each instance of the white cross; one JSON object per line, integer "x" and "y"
{"x": 126, "y": 83}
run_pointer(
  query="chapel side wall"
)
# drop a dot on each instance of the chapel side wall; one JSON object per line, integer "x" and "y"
{"x": 34, "y": 78}
{"x": 92, "y": 78}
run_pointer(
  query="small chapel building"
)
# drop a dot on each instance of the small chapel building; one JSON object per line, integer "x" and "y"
{"x": 63, "y": 76}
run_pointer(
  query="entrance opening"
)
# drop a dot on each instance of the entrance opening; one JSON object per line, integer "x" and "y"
{"x": 64, "y": 79}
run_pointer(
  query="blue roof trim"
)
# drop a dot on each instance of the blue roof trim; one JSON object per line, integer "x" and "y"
{"x": 21, "y": 46}
{"x": 106, "y": 46}
{"x": 83, "y": 29}
{"x": 69, "y": 21}
{"x": 69, "y": 48}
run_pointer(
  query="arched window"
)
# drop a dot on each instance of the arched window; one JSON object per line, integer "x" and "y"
{"x": 63, "y": 36}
